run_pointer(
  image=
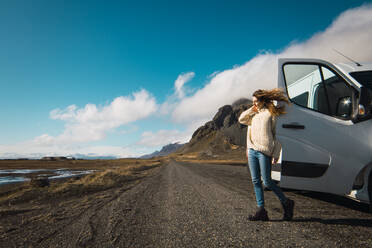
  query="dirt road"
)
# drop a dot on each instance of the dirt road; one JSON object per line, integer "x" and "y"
{"x": 188, "y": 205}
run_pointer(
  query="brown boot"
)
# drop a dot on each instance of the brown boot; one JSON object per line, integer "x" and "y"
{"x": 261, "y": 214}
{"x": 288, "y": 207}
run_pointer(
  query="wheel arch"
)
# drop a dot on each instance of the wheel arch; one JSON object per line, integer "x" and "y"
{"x": 363, "y": 176}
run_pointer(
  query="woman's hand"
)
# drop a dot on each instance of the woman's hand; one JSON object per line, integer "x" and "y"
{"x": 274, "y": 160}
{"x": 254, "y": 108}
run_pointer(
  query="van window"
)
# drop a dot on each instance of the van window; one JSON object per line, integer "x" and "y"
{"x": 363, "y": 77}
{"x": 320, "y": 102}
{"x": 302, "y": 99}
{"x": 340, "y": 94}
{"x": 318, "y": 88}
{"x": 301, "y": 80}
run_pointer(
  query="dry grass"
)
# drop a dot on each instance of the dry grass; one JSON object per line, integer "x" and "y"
{"x": 234, "y": 157}
{"x": 104, "y": 180}
{"x": 113, "y": 173}
{"x": 73, "y": 164}
{"x": 213, "y": 161}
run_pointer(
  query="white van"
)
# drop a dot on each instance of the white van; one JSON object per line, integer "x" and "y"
{"x": 326, "y": 135}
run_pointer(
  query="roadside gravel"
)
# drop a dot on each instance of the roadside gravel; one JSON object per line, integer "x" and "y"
{"x": 191, "y": 205}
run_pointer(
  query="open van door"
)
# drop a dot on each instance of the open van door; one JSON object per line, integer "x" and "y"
{"x": 316, "y": 126}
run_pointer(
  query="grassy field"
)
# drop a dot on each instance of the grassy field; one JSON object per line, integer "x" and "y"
{"x": 110, "y": 173}
{"x": 73, "y": 164}
{"x": 234, "y": 157}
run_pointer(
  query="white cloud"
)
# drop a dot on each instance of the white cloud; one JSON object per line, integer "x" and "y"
{"x": 68, "y": 114}
{"x": 180, "y": 82}
{"x": 163, "y": 137}
{"x": 128, "y": 130}
{"x": 30, "y": 149}
{"x": 224, "y": 88}
{"x": 350, "y": 33}
{"x": 91, "y": 123}
{"x": 179, "y": 93}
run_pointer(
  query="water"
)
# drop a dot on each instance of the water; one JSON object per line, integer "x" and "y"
{"x": 22, "y": 175}
{"x": 64, "y": 174}
{"x": 21, "y": 171}
{"x": 12, "y": 179}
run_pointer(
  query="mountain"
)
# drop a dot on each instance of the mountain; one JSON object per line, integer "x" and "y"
{"x": 56, "y": 157}
{"x": 165, "y": 150}
{"x": 91, "y": 156}
{"x": 223, "y": 136}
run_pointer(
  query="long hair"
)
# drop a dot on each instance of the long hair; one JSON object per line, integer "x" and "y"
{"x": 265, "y": 98}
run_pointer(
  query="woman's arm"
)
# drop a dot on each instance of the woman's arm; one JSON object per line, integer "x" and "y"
{"x": 246, "y": 117}
{"x": 277, "y": 149}
{"x": 277, "y": 145}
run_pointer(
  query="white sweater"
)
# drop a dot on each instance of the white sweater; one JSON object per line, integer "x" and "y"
{"x": 261, "y": 133}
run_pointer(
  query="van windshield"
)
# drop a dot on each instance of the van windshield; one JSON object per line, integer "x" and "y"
{"x": 363, "y": 77}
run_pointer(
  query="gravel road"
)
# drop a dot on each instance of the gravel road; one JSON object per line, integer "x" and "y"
{"x": 194, "y": 205}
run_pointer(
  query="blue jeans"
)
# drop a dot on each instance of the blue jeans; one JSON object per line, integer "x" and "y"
{"x": 260, "y": 164}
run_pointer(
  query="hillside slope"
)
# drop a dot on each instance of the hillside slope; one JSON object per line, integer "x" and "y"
{"x": 222, "y": 137}
{"x": 165, "y": 150}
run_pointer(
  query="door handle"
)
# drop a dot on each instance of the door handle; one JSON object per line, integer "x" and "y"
{"x": 293, "y": 126}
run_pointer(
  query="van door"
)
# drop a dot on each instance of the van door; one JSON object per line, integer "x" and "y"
{"x": 315, "y": 129}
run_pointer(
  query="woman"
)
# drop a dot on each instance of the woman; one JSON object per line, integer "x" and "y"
{"x": 263, "y": 148}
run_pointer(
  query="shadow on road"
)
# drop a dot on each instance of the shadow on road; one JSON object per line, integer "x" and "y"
{"x": 348, "y": 222}
{"x": 335, "y": 199}
{"x": 338, "y": 200}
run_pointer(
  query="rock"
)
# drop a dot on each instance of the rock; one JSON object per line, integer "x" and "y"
{"x": 219, "y": 118}
{"x": 40, "y": 182}
{"x": 240, "y": 102}
{"x": 222, "y": 134}
{"x": 203, "y": 130}
{"x": 165, "y": 150}
{"x": 229, "y": 120}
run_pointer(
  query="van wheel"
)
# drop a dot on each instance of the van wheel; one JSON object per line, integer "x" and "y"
{"x": 370, "y": 192}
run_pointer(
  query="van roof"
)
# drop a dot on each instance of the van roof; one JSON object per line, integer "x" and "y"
{"x": 351, "y": 67}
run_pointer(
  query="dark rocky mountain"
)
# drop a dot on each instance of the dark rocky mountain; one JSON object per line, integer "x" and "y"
{"x": 165, "y": 150}
{"x": 222, "y": 136}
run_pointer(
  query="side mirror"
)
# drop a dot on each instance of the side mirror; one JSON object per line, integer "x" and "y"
{"x": 366, "y": 100}
{"x": 344, "y": 107}
{"x": 364, "y": 106}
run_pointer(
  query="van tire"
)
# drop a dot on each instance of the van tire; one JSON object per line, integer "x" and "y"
{"x": 370, "y": 192}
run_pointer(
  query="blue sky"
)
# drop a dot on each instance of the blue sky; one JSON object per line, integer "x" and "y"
{"x": 116, "y": 64}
